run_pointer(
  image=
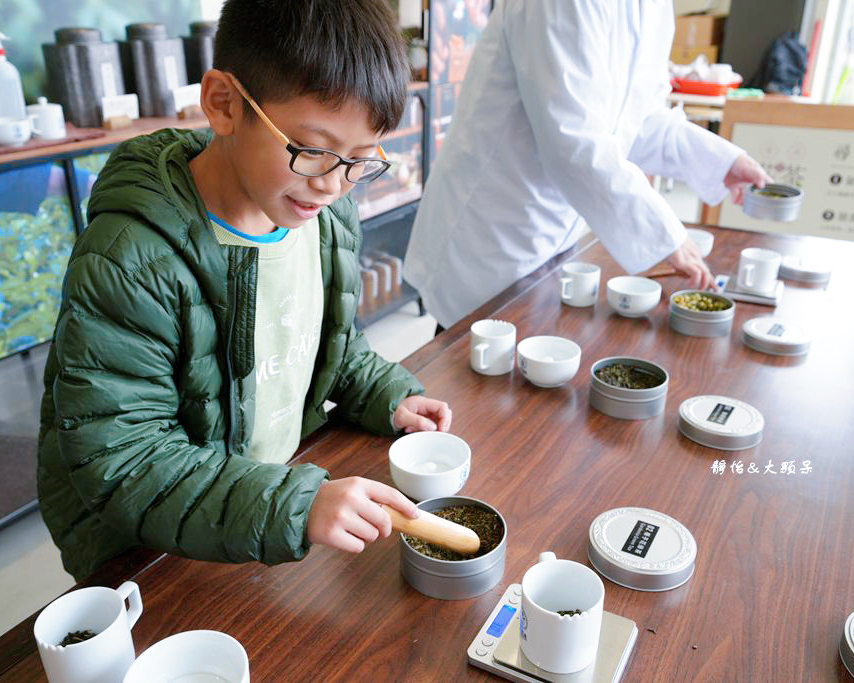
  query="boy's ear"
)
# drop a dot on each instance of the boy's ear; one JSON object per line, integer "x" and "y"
{"x": 220, "y": 102}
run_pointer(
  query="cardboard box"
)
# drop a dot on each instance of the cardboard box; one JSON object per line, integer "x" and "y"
{"x": 699, "y": 30}
{"x": 681, "y": 54}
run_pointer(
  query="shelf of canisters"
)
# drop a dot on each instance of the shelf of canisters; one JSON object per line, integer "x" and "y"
{"x": 97, "y": 139}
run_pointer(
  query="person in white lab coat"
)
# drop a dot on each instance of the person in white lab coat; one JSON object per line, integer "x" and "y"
{"x": 561, "y": 115}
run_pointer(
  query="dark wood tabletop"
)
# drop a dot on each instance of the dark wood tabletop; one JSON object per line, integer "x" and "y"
{"x": 774, "y": 577}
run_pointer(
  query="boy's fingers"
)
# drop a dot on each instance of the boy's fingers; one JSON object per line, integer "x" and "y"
{"x": 377, "y": 518}
{"x": 345, "y": 541}
{"x": 418, "y": 422}
{"x": 380, "y": 493}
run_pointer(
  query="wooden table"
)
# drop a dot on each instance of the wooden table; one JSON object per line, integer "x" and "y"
{"x": 774, "y": 579}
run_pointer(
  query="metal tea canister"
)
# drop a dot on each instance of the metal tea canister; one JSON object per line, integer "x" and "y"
{"x": 624, "y": 403}
{"x": 773, "y": 202}
{"x": 699, "y": 323}
{"x": 448, "y": 579}
{"x": 641, "y": 549}
{"x": 775, "y": 336}
{"x": 721, "y": 422}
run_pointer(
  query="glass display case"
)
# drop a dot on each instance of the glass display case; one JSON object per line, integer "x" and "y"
{"x": 37, "y": 233}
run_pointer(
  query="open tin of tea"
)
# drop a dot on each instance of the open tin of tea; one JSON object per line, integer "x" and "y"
{"x": 773, "y": 202}
{"x": 453, "y": 579}
{"x": 626, "y": 403}
{"x": 697, "y": 322}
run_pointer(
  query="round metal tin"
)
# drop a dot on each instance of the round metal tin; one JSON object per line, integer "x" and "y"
{"x": 721, "y": 422}
{"x": 701, "y": 323}
{"x": 784, "y": 207}
{"x": 769, "y": 334}
{"x": 803, "y": 270}
{"x": 453, "y": 580}
{"x": 641, "y": 549}
{"x": 846, "y": 645}
{"x": 628, "y": 404}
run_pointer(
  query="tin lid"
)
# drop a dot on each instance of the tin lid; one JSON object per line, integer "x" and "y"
{"x": 775, "y": 336}
{"x": 804, "y": 270}
{"x": 149, "y": 30}
{"x": 721, "y": 422}
{"x": 641, "y": 549}
{"x": 74, "y": 35}
{"x": 846, "y": 645}
{"x": 203, "y": 28}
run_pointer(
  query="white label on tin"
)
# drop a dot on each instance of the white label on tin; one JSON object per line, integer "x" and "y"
{"x": 170, "y": 66}
{"x": 108, "y": 77}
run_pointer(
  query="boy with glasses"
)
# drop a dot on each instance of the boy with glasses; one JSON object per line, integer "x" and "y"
{"x": 208, "y": 309}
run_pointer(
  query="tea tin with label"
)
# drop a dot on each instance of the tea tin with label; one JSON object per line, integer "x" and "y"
{"x": 628, "y": 404}
{"x": 804, "y": 270}
{"x": 773, "y": 335}
{"x": 846, "y": 645}
{"x": 641, "y": 549}
{"x": 701, "y": 323}
{"x": 721, "y": 422}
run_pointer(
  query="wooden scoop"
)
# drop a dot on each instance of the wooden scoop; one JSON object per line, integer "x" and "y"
{"x": 433, "y": 529}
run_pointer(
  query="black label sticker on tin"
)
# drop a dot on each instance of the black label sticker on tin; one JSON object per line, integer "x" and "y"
{"x": 720, "y": 414}
{"x": 776, "y": 330}
{"x": 640, "y": 539}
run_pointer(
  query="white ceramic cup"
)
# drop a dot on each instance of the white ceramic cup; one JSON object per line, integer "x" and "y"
{"x": 429, "y": 464}
{"x": 547, "y": 361}
{"x": 560, "y": 643}
{"x": 579, "y": 283}
{"x": 703, "y": 239}
{"x": 757, "y": 270}
{"x": 48, "y": 120}
{"x": 192, "y": 657}
{"x": 633, "y": 296}
{"x": 101, "y": 659}
{"x": 14, "y": 132}
{"x": 493, "y": 346}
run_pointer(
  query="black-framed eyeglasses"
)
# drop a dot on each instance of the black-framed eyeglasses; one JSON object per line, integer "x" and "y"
{"x": 316, "y": 161}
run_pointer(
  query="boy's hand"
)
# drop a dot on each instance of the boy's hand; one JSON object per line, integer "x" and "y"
{"x": 346, "y": 513}
{"x": 422, "y": 414}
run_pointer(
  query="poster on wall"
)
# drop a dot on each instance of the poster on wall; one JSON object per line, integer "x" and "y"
{"x": 818, "y": 161}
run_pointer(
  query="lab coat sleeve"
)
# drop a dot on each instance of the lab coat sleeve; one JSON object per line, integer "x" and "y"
{"x": 671, "y": 146}
{"x": 558, "y": 48}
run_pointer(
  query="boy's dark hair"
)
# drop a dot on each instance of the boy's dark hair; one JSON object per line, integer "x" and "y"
{"x": 332, "y": 49}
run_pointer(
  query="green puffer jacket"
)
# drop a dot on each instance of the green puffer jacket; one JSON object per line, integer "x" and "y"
{"x": 150, "y": 384}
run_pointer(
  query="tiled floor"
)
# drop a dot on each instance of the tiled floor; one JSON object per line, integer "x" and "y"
{"x": 30, "y": 570}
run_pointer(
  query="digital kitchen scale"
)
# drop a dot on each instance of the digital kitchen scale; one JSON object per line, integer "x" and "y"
{"x": 496, "y": 649}
{"x": 728, "y": 287}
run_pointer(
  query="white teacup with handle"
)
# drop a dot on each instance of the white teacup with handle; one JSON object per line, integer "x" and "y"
{"x": 758, "y": 269}
{"x": 493, "y": 347}
{"x": 105, "y": 657}
{"x": 561, "y": 643}
{"x": 579, "y": 283}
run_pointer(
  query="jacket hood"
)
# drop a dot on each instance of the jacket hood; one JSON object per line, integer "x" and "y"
{"x": 149, "y": 178}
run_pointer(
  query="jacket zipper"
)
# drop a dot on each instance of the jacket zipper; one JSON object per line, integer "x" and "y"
{"x": 232, "y": 385}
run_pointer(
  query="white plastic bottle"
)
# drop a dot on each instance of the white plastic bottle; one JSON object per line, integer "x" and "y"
{"x": 12, "y": 103}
